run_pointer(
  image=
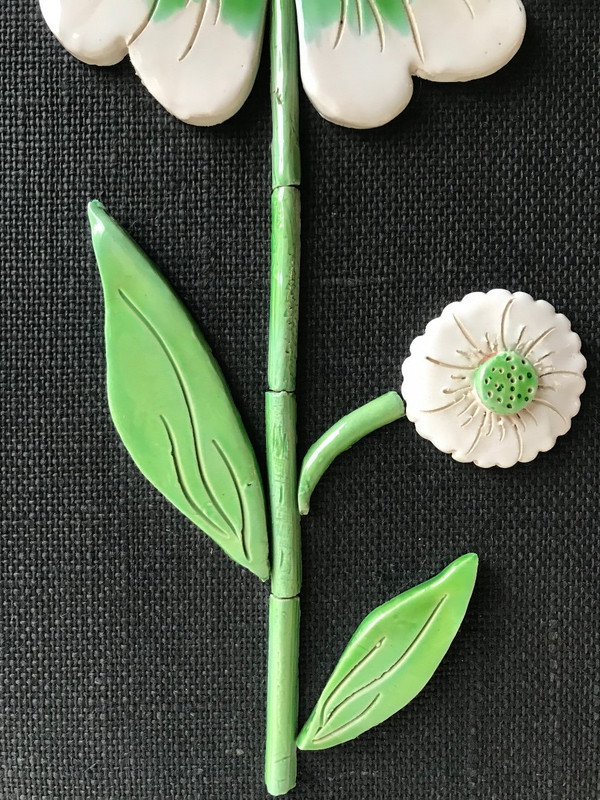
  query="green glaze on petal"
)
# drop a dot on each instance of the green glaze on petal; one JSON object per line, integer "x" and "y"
{"x": 197, "y": 57}
{"x": 363, "y": 15}
{"x": 318, "y": 14}
{"x": 163, "y": 9}
{"x": 358, "y": 56}
{"x": 246, "y": 16}
{"x": 200, "y": 59}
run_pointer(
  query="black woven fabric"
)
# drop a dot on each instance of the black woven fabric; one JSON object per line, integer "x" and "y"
{"x": 132, "y": 651}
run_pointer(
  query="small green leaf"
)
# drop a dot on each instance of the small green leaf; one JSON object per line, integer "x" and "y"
{"x": 171, "y": 405}
{"x": 391, "y": 657}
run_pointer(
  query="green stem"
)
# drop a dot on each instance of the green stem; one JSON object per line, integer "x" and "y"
{"x": 341, "y": 436}
{"x": 282, "y": 695}
{"x": 285, "y": 274}
{"x": 285, "y": 154}
{"x": 284, "y": 609}
{"x": 286, "y": 568}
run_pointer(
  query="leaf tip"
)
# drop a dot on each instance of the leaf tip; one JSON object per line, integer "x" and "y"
{"x": 97, "y": 215}
{"x": 303, "y": 742}
{"x": 466, "y": 566}
{"x": 263, "y": 572}
{"x": 469, "y": 558}
{"x": 100, "y": 221}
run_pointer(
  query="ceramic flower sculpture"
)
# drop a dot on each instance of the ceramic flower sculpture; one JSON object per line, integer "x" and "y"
{"x": 494, "y": 380}
{"x": 199, "y": 57}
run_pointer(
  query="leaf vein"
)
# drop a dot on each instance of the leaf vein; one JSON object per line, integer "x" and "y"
{"x": 195, "y": 31}
{"x": 175, "y": 367}
{"x": 136, "y": 35}
{"x": 346, "y": 725}
{"x": 363, "y": 689}
{"x": 342, "y": 23}
{"x": 186, "y": 492}
{"x": 226, "y": 461}
{"x": 378, "y": 22}
{"x": 470, "y": 7}
{"x": 347, "y": 677}
{"x": 414, "y": 28}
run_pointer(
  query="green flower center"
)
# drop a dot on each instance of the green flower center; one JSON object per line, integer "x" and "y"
{"x": 506, "y": 383}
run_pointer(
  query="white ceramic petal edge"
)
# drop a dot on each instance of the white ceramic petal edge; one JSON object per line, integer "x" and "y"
{"x": 194, "y": 62}
{"x": 355, "y": 83}
{"x": 467, "y": 39}
{"x": 361, "y": 77}
{"x": 202, "y": 78}
{"x": 95, "y": 32}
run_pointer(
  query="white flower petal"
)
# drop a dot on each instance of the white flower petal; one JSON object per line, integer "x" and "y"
{"x": 442, "y": 401}
{"x": 196, "y": 64}
{"x": 358, "y": 56}
{"x": 467, "y": 39}
{"x": 95, "y": 31}
{"x": 352, "y": 81}
{"x": 452, "y": 346}
{"x": 196, "y": 60}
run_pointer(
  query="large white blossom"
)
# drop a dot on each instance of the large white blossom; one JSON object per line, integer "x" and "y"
{"x": 199, "y": 57}
{"x": 495, "y": 379}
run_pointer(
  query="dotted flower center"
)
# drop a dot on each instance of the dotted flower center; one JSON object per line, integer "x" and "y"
{"x": 506, "y": 383}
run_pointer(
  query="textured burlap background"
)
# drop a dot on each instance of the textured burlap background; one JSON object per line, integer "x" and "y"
{"x": 133, "y": 652}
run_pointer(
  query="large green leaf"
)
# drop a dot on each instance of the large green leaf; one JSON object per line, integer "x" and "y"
{"x": 391, "y": 657}
{"x": 171, "y": 405}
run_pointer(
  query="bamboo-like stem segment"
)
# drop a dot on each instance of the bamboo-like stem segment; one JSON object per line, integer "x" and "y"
{"x": 286, "y": 566}
{"x": 285, "y": 278}
{"x": 285, "y": 153}
{"x": 282, "y": 695}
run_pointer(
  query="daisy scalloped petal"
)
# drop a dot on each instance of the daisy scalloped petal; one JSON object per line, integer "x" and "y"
{"x": 197, "y": 57}
{"x": 495, "y": 379}
{"x": 358, "y": 56}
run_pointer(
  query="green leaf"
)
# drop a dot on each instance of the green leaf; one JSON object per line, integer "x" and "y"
{"x": 391, "y": 657}
{"x": 171, "y": 405}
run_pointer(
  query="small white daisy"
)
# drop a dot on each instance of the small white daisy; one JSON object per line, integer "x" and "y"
{"x": 495, "y": 379}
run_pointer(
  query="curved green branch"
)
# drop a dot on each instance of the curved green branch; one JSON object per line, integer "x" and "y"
{"x": 346, "y": 432}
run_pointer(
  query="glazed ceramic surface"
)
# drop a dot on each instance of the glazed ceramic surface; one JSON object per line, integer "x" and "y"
{"x": 495, "y": 379}
{"x": 171, "y": 405}
{"x": 391, "y": 657}
{"x": 475, "y": 384}
{"x": 358, "y": 56}
{"x": 198, "y": 58}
